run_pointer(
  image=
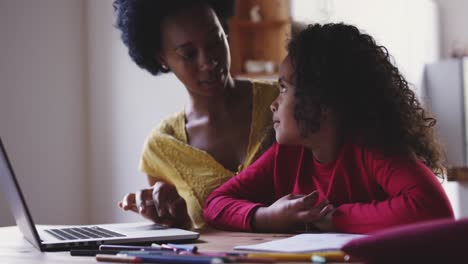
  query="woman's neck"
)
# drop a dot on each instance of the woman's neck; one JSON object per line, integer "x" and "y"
{"x": 213, "y": 107}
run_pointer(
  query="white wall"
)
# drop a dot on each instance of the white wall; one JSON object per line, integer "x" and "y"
{"x": 408, "y": 29}
{"x": 125, "y": 104}
{"x": 42, "y": 122}
{"x": 74, "y": 110}
{"x": 453, "y": 21}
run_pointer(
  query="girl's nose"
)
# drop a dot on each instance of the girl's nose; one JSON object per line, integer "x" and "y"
{"x": 273, "y": 106}
{"x": 208, "y": 64}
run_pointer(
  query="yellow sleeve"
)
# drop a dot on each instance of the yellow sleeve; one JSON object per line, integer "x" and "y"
{"x": 167, "y": 156}
{"x": 152, "y": 161}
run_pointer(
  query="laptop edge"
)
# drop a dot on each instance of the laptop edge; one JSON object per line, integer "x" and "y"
{"x": 25, "y": 223}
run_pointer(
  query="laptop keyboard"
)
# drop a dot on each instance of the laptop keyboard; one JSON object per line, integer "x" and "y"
{"x": 82, "y": 233}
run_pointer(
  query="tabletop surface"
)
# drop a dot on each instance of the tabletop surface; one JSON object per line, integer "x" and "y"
{"x": 15, "y": 249}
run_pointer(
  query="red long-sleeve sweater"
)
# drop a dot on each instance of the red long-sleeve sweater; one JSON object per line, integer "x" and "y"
{"x": 370, "y": 192}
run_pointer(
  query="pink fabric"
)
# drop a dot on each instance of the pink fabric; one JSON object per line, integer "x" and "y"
{"x": 442, "y": 241}
{"x": 369, "y": 192}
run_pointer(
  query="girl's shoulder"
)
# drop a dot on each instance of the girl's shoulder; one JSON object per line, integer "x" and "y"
{"x": 364, "y": 153}
{"x": 378, "y": 159}
{"x": 290, "y": 150}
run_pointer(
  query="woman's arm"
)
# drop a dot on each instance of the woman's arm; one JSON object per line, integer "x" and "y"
{"x": 151, "y": 180}
{"x": 159, "y": 203}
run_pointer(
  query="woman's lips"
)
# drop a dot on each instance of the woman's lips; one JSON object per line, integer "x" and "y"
{"x": 213, "y": 78}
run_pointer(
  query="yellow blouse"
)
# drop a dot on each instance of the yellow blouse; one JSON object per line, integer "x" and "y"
{"x": 194, "y": 172}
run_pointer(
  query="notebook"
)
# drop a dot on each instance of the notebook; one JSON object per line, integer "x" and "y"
{"x": 83, "y": 236}
{"x": 304, "y": 243}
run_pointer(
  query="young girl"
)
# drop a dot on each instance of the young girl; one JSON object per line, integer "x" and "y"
{"x": 220, "y": 131}
{"x": 356, "y": 151}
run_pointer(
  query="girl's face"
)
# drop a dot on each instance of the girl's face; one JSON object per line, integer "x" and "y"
{"x": 195, "y": 48}
{"x": 284, "y": 123}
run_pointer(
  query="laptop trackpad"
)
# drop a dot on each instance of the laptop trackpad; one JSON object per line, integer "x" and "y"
{"x": 137, "y": 228}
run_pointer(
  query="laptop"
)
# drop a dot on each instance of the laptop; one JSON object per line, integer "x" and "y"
{"x": 82, "y": 236}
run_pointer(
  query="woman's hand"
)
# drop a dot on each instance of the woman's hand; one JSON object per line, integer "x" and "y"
{"x": 291, "y": 213}
{"x": 160, "y": 203}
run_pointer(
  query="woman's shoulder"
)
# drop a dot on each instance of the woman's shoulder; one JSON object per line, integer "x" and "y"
{"x": 265, "y": 86}
{"x": 259, "y": 88}
{"x": 264, "y": 93}
{"x": 173, "y": 126}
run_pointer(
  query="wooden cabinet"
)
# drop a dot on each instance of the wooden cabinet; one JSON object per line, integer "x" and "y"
{"x": 264, "y": 40}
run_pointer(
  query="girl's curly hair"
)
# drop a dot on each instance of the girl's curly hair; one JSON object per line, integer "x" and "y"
{"x": 337, "y": 66}
{"x": 139, "y": 22}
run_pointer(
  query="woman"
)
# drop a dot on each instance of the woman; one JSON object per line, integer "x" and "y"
{"x": 222, "y": 128}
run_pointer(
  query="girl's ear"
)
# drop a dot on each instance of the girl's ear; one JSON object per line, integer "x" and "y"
{"x": 325, "y": 111}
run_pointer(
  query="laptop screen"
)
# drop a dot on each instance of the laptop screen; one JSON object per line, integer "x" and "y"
{"x": 10, "y": 188}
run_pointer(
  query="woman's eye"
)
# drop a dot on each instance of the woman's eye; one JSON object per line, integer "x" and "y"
{"x": 283, "y": 89}
{"x": 188, "y": 55}
{"x": 218, "y": 40}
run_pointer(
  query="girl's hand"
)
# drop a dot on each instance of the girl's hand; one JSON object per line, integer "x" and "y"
{"x": 160, "y": 204}
{"x": 291, "y": 213}
{"x": 325, "y": 224}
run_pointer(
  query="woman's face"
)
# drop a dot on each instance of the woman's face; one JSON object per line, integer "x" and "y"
{"x": 284, "y": 123}
{"x": 195, "y": 48}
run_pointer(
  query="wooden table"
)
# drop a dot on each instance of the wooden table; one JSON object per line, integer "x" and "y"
{"x": 15, "y": 249}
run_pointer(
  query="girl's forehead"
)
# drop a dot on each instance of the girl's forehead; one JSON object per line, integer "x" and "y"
{"x": 286, "y": 70}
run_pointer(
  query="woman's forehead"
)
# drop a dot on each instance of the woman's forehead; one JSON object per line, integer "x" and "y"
{"x": 190, "y": 25}
{"x": 196, "y": 18}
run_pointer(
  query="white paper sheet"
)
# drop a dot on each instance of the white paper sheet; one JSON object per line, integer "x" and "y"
{"x": 303, "y": 243}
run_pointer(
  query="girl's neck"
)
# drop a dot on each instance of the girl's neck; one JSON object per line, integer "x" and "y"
{"x": 326, "y": 144}
{"x": 213, "y": 107}
{"x": 327, "y": 152}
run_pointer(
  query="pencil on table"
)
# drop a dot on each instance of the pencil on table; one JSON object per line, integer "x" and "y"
{"x": 338, "y": 256}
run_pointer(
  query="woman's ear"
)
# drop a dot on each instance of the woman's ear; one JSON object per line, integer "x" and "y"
{"x": 163, "y": 63}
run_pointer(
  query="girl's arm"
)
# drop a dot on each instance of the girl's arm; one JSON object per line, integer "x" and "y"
{"x": 414, "y": 195}
{"x": 231, "y": 206}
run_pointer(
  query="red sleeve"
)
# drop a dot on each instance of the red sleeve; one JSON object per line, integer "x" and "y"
{"x": 230, "y": 206}
{"x": 414, "y": 194}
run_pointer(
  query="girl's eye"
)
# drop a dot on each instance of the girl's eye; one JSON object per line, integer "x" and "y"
{"x": 283, "y": 89}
